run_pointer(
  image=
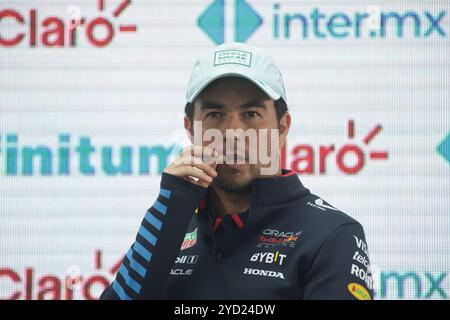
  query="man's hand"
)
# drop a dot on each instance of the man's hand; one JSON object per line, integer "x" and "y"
{"x": 195, "y": 164}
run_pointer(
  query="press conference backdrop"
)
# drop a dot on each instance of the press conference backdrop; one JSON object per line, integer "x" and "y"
{"x": 92, "y": 97}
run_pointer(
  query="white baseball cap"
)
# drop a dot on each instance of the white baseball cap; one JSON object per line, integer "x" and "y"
{"x": 238, "y": 60}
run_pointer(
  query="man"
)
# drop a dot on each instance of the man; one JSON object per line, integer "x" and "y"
{"x": 226, "y": 230}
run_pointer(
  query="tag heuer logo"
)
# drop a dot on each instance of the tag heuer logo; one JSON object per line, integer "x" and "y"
{"x": 190, "y": 239}
{"x": 233, "y": 57}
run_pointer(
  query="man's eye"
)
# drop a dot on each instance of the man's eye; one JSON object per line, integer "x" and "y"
{"x": 251, "y": 114}
{"x": 214, "y": 115}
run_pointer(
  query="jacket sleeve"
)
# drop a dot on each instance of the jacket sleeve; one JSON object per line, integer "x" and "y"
{"x": 341, "y": 268}
{"x": 147, "y": 264}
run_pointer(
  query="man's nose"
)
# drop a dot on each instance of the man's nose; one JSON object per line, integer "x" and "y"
{"x": 234, "y": 134}
{"x": 234, "y": 129}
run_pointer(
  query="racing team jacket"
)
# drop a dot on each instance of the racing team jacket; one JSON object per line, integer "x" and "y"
{"x": 289, "y": 244}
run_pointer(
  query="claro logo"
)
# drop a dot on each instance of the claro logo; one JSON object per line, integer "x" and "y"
{"x": 35, "y": 29}
{"x": 349, "y": 158}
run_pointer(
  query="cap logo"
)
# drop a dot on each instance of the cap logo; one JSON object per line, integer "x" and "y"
{"x": 233, "y": 57}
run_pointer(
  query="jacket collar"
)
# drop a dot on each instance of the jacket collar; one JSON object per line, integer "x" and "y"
{"x": 277, "y": 190}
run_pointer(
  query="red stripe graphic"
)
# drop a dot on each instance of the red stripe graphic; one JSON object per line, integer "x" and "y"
{"x": 372, "y": 134}
{"x": 351, "y": 129}
{"x": 121, "y": 7}
{"x": 128, "y": 28}
{"x": 378, "y": 155}
{"x": 101, "y": 5}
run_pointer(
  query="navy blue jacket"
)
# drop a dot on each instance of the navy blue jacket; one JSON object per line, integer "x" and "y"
{"x": 290, "y": 244}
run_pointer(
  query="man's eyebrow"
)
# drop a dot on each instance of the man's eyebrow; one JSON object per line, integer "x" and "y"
{"x": 211, "y": 105}
{"x": 258, "y": 103}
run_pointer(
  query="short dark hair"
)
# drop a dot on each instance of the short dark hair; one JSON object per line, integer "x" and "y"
{"x": 280, "y": 109}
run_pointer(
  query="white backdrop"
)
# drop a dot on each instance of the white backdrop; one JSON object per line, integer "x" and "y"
{"x": 83, "y": 107}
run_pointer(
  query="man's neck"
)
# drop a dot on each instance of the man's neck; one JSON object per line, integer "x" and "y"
{"x": 229, "y": 202}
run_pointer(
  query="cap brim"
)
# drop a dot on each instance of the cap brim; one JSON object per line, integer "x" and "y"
{"x": 268, "y": 90}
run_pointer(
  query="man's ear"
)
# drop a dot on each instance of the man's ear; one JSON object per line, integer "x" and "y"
{"x": 283, "y": 127}
{"x": 189, "y": 129}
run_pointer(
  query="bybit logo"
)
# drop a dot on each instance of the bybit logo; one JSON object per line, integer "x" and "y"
{"x": 276, "y": 258}
{"x": 53, "y": 31}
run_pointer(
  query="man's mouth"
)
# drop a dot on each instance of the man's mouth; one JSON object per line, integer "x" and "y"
{"x": 235, "y": 162}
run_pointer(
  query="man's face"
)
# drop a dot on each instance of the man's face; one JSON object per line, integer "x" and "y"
{"x": 236, "y": 103}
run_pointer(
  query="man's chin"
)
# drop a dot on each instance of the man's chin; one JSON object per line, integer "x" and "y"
{"x": 235, "y": 168}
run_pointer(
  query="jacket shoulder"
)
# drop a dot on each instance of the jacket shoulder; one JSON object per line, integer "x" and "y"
{"x": 319, "y": 216}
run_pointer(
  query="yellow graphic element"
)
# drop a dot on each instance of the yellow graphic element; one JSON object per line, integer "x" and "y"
{"x": 358, "y": 291}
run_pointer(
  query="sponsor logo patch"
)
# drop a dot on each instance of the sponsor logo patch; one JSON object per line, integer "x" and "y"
{"x": 190, "y": 239}
{"x": 362, "y": 274}
{"x": 181, "y": 272}
{"x": 271, "y": 238}
{"x": 263, "y": 273}
{"x": 187, "y": 259}
{"x": 358, "y": 291}
{"x": 233, "y": 57}
{"x": 269, "y": 257}
{"x": 320, "y": 204}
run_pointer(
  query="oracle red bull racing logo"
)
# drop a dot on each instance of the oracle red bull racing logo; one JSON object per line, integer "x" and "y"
{"x": 271, "y": 238}
{"x": 34, "y": 28}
